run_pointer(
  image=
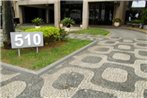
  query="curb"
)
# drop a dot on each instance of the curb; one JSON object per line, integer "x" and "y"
{"x": 16, "y": 68}
{"x": 41, "y": 71}
{"x": 108, "y": 34}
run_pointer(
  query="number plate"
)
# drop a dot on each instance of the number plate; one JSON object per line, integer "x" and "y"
{"x": 26, "y": 39}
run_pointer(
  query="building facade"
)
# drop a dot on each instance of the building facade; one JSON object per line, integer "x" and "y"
{"x": 85, "y": 12}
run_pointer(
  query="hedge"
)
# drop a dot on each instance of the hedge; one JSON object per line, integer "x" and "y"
{"x": 50, "y": 34}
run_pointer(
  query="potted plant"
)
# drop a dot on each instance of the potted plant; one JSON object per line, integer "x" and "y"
{"x": 67, "y": 22}
{"x": 61, "y": 25}
{"x": 117, "y": 22}
{"x": 81, "y": 26}
{"x": 37, "y": 21}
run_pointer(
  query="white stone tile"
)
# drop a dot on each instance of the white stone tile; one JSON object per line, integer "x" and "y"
{"x": 124, "y": 47}
{"x": 121, "y": 56}
{"x": 12, "y": 90}
{"x": 115, "y": 75}
{"x": 127, "y": 40}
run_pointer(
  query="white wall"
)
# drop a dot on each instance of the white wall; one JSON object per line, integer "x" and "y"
{"x": 0, "y": 3}
{"x": 105, "y": 0}
{"x": 35, "y": 2}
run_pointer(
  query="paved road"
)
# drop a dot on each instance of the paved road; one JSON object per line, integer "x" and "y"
{"x": 127, "y": 33}
{"x": 114, "y": 67}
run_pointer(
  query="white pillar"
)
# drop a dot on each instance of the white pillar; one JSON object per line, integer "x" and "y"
{"x": 20, "y": 15}
{"x": 57, "y": 13}
{"x": 120, "y": 11}
{"x": 16, "y": 8}
{"x": 85, "y": 15}
{"x": 18, "y": 11}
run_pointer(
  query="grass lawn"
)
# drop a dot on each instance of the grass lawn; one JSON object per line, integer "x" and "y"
{"x": 92, "y": 31}
{"x": 47, "y": 54}
{"x": 23, "y": 28}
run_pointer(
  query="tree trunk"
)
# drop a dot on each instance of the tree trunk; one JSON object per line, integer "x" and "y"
{"x": 8, "y": 22}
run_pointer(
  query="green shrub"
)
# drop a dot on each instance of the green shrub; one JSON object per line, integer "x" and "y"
{"x": 50, "y": 34}
{"x": 137, "y": 21}
{"x": 144, "y": 16}
{"x": 63, "y": 34}
{"x": 37, "y": 21}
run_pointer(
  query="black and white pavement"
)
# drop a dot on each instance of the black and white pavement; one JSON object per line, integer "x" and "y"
{"x": 115, "y": 67}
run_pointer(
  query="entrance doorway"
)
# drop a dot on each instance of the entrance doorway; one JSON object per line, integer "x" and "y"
{"x": 31, "y": 12}
{"x": 101, "y": 13}
{"x": 51, "y": 13}
{"x": 72, "y": 9}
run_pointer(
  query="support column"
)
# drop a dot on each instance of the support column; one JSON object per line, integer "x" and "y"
{"x": 85, "y": 15}
{"x": 47, "y": 16}
{"x": 20, "y": 15}
{"x": 57, "y": 13}
{"x": 120, "y": 11}
{"x": 16, "y": 9}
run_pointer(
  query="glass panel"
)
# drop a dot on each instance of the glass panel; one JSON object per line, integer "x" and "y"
{"x": 72, "y": 9}
{"x": 101, "y": 13}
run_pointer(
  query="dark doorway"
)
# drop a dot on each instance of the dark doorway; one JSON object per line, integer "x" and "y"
{"x": 0, "y": 17}
{"x": 51, "y": 13}
{"x": 30, "y": 13}
{"x": 72, "y": 9}
{"x": 101, "y": 13}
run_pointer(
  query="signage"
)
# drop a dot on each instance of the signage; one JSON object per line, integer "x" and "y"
{"x": 138, "y": 3}
{"x": 26, "y": 39}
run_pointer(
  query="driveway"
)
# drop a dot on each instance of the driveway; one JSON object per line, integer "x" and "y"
{"x": 127, "y": 33}
{"x": 114, "y": 67}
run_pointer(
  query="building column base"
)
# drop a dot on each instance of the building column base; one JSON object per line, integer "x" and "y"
{"x": 85, "y": 19}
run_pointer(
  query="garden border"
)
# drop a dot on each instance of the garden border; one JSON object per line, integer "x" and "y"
{"x": 48, "y": 67}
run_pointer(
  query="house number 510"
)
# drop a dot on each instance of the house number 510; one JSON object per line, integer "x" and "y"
{"x": 20, "y": 40}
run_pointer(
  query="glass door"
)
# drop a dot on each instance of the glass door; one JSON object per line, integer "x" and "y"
{"x": 72, "y": 9}
{"x": 101, "y": 13}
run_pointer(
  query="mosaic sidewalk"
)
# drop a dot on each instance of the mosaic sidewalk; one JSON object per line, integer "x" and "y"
{"x": 115, "y": 67}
